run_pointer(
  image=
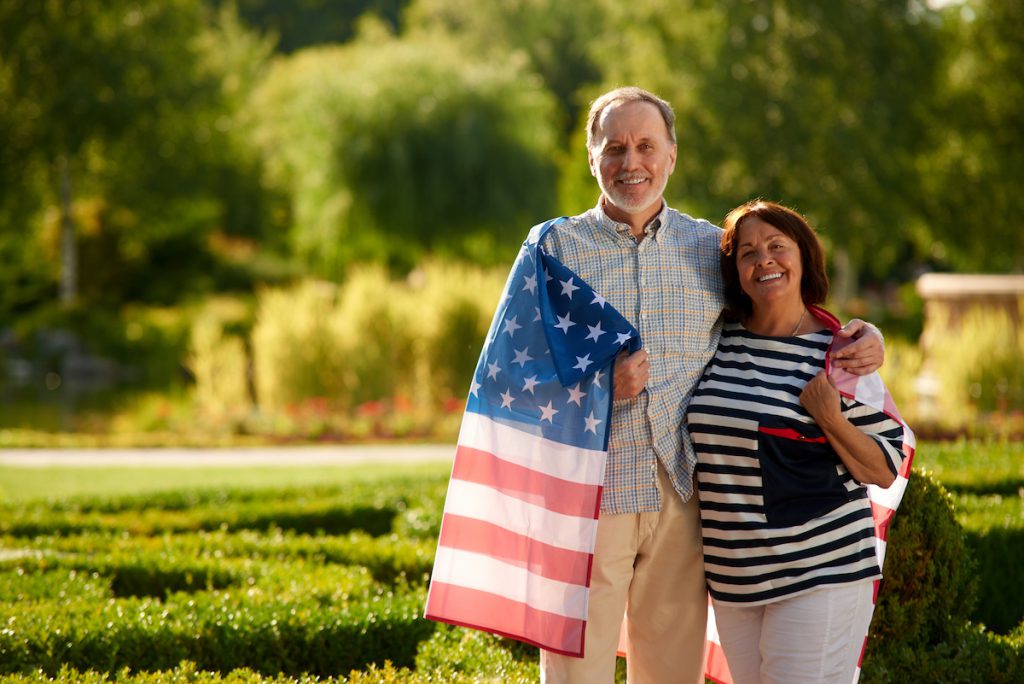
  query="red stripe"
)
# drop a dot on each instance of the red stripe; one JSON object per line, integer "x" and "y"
{"x": 531, "y": 486}
{"x": 715, "y": 666}
{"x": 790, "y": 433}
{"x": 908, "y": 453}
{"x": 467, "y": 534}
{"x": 462, "y": 606}
{"x": 883, "y": 516}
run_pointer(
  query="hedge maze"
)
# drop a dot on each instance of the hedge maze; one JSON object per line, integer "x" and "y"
{"x": 328, "y": 584}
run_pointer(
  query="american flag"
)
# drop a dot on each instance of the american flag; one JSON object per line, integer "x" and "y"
{"x": 870, "y": 391}
{"x": 520, "y": 518}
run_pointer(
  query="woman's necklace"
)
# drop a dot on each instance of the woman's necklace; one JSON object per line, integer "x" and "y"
{"x": 799, "y": 323}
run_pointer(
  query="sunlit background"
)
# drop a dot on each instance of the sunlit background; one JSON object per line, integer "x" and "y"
{"x": 229, "y": 221}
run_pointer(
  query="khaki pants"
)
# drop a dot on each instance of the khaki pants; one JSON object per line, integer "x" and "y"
{"x": 651, "y": 567}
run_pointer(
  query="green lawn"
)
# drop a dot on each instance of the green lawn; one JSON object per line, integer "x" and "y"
{"x": 961, "y": 468}
{"x": 1000, "y": 473}
{"x": 21, "y": 484}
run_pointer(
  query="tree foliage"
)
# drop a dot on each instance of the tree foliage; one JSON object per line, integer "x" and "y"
{"x": 973, "y": 174}
{"x": 820, "y": 106}
{"x": 199, "y": 133}
{"x": 124, "y": 95}
{"x": 392, "y": 147}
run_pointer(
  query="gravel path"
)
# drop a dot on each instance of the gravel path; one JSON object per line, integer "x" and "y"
{"x": 249, "y": 456}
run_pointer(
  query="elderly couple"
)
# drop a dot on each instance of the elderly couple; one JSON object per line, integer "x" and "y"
{"x": 720, "y": 474}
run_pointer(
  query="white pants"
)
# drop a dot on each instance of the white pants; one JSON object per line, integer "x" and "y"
{"x": 815, "y": 637}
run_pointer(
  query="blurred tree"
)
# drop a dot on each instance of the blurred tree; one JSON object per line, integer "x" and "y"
{"x": 127, "y": 123}
{"x": 391, "y": 148}
{"x": 822, "y": 106}
{"x": 312, "y": 22}
{"x": 556, "y": 38}
{"x": 975, "y": 171}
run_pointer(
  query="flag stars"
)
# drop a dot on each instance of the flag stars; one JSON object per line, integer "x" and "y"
{"x": 568, "y": 287}
{"x": 548, "y": 412}
{"x": 493, "y": 369}
{"x": 522, "y": 357}
{"x": 582, "y": 362}
{"x": 507, "y": 399}
{"x": 622, "y": 338}
{"x": 537, "y": 317}
{"x": 595, "y": 332}
{"x": 599, "y": 300}
{"x": 597, "y": 379}
{"x": 576, "y": 394}
{"x": 564, "y": 323}
{"x": 592, "y": 423}
{"x": 511, "y": 325}
{"x": 473, "y": 387}
{"x": 531, "y": 382}
{"x": 531, "y": 283}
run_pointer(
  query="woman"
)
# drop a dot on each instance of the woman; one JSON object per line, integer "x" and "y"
{"x": 783, "y": 464}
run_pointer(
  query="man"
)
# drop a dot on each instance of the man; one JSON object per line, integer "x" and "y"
{"x": 660, "y": 269}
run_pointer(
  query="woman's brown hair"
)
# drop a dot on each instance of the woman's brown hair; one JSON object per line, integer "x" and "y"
{"x": 813, "y": 284}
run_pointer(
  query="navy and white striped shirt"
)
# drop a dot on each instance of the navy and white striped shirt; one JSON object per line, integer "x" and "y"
{"x": 780, "y": 513}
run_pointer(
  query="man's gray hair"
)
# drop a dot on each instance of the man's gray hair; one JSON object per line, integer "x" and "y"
{"x": 622, "y": 96}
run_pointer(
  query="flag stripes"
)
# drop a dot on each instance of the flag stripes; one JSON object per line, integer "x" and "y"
{"x": 551, "y": 562}
{"x": 516, "y": 546}
{"x": 558, "y": 495}
{"x": 463, "y": 606}
{"x": 564, "y": 461}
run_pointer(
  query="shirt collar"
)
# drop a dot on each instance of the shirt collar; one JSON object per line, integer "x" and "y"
{"x": 650, "y": 230}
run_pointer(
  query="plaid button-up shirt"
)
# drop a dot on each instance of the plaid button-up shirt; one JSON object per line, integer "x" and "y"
{"x": 669, "y": 286}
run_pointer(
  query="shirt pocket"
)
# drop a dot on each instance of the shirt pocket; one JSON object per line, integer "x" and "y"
{"x": 800, "y": 479}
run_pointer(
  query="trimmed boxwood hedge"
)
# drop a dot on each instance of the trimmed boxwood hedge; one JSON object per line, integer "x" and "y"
{"x": 288, "y": 585}
{"x": 920, "y": 631}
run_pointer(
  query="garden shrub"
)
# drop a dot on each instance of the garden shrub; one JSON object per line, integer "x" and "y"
{"x": 900, "y": 372}
{"x": 184, "y": 673}
{"x": 218, "y": 631}
{"x": 969, "y": 654}
{"x": 202, "y": 587}
{"x": 927, "y": 595}
{"x": 929, "y": 581}
{"x": 461, "y": 301}
{"x": 19, "y": 584}
{"x": 220, "y": 367}
{"x": 295, "y": 355}
{"x": 999, "y": 552}
{"x": 458, "y": 651}
{"x": 407, "y": 345}
{"x": 187, "y": 673}
{"x": 373, "y": 337}
{"x": 980, "y": 370}
{"x": 316, "y": 516}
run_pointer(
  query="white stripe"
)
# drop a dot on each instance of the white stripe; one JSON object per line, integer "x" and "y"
{"x": 699, "y": 417}
{"x": 880, "y": 550}
{"x": 480, "y": 502}
{"x": 871, "y": 391}
{"x": 747, "y": 375}
{"x": 890, "y": 497}
{"x": 585, "y": 466}
{"x": 779, "y": 545}
{"x": 476, "y": 571}
{"x": 812, "y": 566}
{"x": 712, "y": 633}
